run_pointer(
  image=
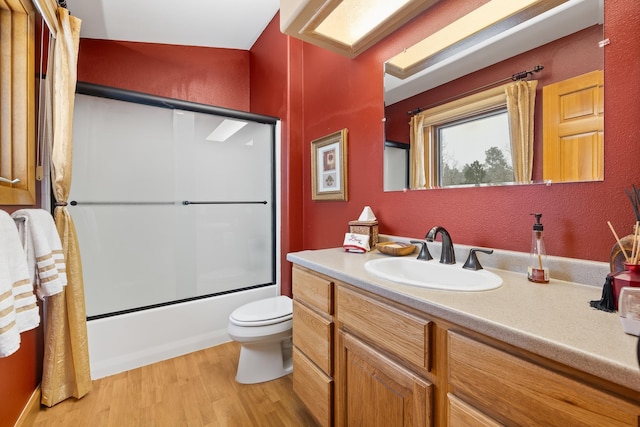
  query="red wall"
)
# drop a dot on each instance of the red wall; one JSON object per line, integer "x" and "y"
{"x": 217, "y": 77}
{"x": 20, "y": 374}
{"x": 340, "y": 93}
{"x": 275, "y": 91}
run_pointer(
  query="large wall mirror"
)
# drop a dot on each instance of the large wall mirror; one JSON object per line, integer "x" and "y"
{"x": 560, "y": 48}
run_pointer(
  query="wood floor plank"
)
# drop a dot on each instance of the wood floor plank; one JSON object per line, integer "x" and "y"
{"x": 195, "y": 390}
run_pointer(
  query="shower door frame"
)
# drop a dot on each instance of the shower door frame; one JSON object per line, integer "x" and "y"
{"x": 117, "y": 94}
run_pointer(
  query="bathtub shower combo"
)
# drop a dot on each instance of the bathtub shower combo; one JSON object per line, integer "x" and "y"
{"x": 175, "y": 206}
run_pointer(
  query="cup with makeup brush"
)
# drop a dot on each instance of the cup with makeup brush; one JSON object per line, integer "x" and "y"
{"x": 630, "y": 276}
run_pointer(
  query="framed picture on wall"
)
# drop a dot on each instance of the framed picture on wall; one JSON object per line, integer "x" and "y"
{"x": 329, "y": 167}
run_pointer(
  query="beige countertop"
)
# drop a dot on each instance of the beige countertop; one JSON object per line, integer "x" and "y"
{"x": 552, "y": 320}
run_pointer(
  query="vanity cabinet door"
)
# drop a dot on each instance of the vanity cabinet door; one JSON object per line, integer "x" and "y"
{"x": 516, "y": 391}
{"x": 377, "y": 391}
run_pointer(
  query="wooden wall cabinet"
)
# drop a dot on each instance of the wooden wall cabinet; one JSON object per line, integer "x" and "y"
{"x": 17, "y": 103}
{"x": 361, "y": 359}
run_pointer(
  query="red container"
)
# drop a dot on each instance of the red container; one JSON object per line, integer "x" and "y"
{"x": 629, "y": 277}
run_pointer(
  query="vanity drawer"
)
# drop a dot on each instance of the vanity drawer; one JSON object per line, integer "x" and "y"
{"x": 313, "y": 387}
{"x": 314, "y": 289}
{"x": 399, "y": 332}
{"x": 461, "y": 414}
{"x": 313, "y": 335}
{"x": 516, "y": 391}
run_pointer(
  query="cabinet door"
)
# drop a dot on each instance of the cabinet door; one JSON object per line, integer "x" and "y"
{"x": 17, "y": 99}
{"x": 376, "y": 391}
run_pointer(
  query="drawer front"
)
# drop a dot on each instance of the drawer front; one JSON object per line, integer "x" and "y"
{"x": 313, "y": 335}
{"x": 516, "y": 391}
{"x": 401, "y": 333}
{"x": 313, "y": 289}
{"x": 461, "y": 414}
{"x": 313, "y": 387}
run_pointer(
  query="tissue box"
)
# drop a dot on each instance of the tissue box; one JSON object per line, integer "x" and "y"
{"x": 369, "y": 228}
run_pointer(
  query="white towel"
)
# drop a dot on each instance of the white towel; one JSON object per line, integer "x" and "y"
{"x": 18, "y": 309}
{"x": 44, "y": 251}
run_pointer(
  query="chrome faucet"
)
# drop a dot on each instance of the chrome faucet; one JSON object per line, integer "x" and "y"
{"x": 447, "y": 255}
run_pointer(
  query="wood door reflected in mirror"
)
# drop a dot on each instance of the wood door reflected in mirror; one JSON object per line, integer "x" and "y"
{"x": 566, "y": 44}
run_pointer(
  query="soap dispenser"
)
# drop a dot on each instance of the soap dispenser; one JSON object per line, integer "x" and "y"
{"x": 537, "y": 270}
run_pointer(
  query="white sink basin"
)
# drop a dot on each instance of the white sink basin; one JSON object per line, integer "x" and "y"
{"x": 432, "y": 274}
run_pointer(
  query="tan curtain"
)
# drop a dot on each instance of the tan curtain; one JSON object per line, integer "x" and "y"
{"x": 521, "y": 97}
{"x": 66, "y": 369}
{"x": 421, "y": 172}
{"x": 417, "y": 152}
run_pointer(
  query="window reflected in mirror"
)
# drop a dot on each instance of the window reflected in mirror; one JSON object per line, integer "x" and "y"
{"x": 475, "y": 150}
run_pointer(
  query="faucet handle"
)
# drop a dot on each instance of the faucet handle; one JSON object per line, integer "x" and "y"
{"x": 472, "y": 262}
{"x": 424, "y": 250}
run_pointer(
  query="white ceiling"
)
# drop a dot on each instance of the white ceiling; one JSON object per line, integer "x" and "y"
{"x": 229, "y": 24}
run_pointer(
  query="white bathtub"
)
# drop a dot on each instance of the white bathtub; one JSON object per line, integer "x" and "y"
{"x": 132, "y": 340}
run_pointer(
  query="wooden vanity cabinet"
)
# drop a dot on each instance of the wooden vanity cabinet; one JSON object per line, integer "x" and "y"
{"x": 313, "y": 339}
{"x": 363, "y": 360}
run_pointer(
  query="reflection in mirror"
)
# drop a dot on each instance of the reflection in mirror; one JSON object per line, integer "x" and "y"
{"x": 487, "y": 160}
{"x": 396, "y": 166}
{"x": 565, "y": 40}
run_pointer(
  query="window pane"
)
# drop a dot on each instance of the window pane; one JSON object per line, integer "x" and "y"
{"x": 476, "y": 150}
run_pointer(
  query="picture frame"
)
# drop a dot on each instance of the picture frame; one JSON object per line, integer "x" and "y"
{"x": 329, "y": 167}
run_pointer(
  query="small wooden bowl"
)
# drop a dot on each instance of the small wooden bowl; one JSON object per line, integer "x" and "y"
{"x": 395, "y": 248}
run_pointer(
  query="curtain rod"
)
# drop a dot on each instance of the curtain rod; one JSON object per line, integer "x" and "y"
{"x": 514, "y": 77}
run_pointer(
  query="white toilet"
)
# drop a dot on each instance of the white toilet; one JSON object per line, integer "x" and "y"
{"x": 263, "y": 328}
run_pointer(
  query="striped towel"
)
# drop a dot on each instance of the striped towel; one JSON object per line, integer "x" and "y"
{"x": 42, "y": 244}
{"x": 18, "y": 309}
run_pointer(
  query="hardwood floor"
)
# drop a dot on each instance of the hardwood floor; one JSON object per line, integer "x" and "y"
{"x": 197, "y": 389}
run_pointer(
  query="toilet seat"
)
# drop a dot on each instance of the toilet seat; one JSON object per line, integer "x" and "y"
{"x": 264, "y": 312}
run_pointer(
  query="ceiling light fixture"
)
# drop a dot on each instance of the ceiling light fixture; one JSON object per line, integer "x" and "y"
{"x": 482, "y": 23}
{"x": 347, "y": 27}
